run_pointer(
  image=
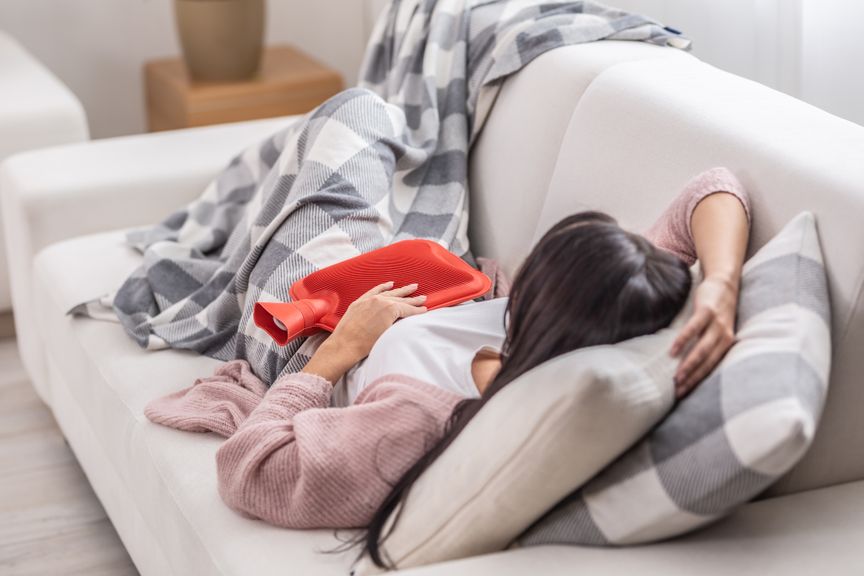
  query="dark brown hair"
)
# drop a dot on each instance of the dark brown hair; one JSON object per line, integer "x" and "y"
{"x": 587, "y": 282}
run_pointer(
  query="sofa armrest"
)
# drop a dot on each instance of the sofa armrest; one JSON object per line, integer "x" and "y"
{"x": 53, "y": 194}
{"x": 67, "y": 191}
{"x": 36, "y": 110}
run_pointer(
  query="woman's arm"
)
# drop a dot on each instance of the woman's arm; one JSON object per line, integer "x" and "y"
{"x": 709, "y": 220}
{"x": 673, "y": 230}
{"x": 720, "y": 230}
{"x": 296, "y": 463}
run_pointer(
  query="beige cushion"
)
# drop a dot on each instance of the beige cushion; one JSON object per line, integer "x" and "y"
{"x": 542, "y": 436}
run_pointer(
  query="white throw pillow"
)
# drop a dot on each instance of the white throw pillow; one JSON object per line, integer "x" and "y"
{"x": 539, "y": 438}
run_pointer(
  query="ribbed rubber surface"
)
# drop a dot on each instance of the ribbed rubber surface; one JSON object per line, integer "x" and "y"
{"x": 443, "y": 278}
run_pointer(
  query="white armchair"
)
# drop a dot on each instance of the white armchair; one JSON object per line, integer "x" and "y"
{"x": 36, "y": 110}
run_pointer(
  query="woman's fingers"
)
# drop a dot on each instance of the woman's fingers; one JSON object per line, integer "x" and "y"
{"x": 401, "y": 291}
{"x": 697, "y": 324}
{"x": 712, "y": 347}
{"x": 411, "y": 300}
{"x": 386, "y": 289}
{"x": 700, "y": 372}
{"x": 701, "y": 352}
{"x": 406, "y": 310}
{"x": 379, "y": 289}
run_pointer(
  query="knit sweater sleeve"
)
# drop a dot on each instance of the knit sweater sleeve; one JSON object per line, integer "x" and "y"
{"x": 296, "y": 463}
{"x": 672, "y": 232}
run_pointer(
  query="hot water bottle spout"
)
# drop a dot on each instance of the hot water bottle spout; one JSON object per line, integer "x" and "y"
{"x": 285, "y": 321}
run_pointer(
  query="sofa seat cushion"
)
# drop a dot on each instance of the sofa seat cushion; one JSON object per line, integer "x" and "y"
{"x": 169, "y": 476}
{"x": 815, "y": 532}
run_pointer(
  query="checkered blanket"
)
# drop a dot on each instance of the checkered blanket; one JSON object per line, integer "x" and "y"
{"x": 382, "y": 162}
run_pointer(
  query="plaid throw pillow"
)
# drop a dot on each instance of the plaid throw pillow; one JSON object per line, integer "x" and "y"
{"x": 747, "y": 424}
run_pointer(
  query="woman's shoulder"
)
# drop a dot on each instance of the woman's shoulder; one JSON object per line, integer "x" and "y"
{"x": 717, "y": 179}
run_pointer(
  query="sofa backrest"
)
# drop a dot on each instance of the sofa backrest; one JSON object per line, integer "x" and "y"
{"x": 514, "y": 157}
{"x": 634, "y": 135}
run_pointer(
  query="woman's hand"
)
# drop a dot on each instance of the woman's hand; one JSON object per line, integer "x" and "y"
{"x": 720, "y": 229}
{"x": 370, "y": 315}
{"x": 360, "y": 327}
{"x": 711, "y": 329}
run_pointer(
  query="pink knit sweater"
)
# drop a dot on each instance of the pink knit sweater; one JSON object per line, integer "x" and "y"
{"x": 293, "y": 461}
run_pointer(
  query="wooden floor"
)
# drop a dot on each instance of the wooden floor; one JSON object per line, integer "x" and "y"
{"x": 50, "y": 520}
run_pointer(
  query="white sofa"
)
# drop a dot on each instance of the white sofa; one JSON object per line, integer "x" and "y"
{"x": 612, "y": 126}
{"x": 36, "y": 110}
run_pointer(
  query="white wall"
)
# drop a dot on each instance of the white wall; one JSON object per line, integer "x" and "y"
{"x": 811, "y": 49}
{"x": 757, "y": 39}
{"x": 808, "y": 48}
{"x": 832, "y": 71}
{"x": 98, "y": 47}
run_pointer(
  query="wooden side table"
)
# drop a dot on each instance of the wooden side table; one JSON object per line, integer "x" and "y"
{"x": 288, "y": 82}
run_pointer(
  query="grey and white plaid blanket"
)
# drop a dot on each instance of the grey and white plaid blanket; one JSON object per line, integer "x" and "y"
{"x": 382, "y": 162}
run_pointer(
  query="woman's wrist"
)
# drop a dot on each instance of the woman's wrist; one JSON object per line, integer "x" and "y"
{"x": 331, "y": 360}
{"x": 730, "y": 278}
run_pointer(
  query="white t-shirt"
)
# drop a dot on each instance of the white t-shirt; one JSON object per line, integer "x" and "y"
{"x": 437, "y": 347}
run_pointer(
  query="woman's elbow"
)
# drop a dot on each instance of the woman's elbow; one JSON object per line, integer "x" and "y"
{"x": 256, "y": 482}
{"x": 233, "y": 481}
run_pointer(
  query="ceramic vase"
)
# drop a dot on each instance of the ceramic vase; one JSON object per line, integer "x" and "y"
{"x": 222, "y": 40}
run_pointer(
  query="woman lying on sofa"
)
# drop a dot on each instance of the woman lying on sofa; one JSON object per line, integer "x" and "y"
{"x": 293, "y": 460}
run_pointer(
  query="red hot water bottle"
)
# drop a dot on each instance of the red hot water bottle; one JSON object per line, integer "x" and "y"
{"x": 319, "y": 300}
